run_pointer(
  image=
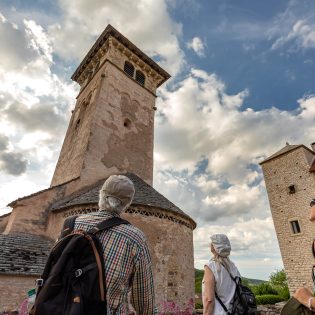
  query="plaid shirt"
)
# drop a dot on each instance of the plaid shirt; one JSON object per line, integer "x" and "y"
{"x": 127, "y": 265}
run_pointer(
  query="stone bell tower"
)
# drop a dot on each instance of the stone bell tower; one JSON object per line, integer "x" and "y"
{"x": 112, "y": 125}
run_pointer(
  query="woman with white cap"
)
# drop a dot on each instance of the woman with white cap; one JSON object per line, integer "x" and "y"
{"x": 217, "y": 283}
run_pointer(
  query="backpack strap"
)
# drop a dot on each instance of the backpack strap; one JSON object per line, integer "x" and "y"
{"x": 107, "y": 224}
{"x": 220, "y": 301}
{"x": 68, "y": 226}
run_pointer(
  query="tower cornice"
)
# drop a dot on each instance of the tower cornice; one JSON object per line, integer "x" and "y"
{"x": 111, "y": 38}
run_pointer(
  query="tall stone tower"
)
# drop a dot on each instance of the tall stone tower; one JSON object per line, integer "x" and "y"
{"x": 110, "y": 131}
{"x": 290, "y": 183}
{"x": 112, "y": 125}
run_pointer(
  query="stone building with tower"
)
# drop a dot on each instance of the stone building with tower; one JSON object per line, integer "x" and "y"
{"x": 290, "y": 182}
{"x": 111, "y": 131}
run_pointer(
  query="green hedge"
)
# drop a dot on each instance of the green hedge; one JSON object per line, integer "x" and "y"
{"x": 198, "y": 306}
{"x": 268, "y": 299}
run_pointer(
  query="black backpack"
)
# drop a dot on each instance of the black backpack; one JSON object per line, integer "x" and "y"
{"x": 73, "y": 281}
{"x": 244, "y": 302}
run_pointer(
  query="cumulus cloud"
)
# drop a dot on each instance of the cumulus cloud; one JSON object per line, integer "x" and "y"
{"x": 302, "y": 33}
{"x": 44, "y": 117}
{"x": 4, "y": 142}
{"x": 202, "y": 124}
{"x": 12, "y": 163}
{"x": 293, "y": 29}
{"x": 245, "y": 237}
{"x": 197, "y": 45}
{"x": 146, "y": 23}
{"x": 35, "y": 102}
{"x": 14, "y": 48}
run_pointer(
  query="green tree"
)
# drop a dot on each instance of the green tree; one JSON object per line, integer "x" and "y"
{"x": 279, "y": 279}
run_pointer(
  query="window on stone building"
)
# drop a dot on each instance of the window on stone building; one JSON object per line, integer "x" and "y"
{"x": 291, "y": 189}
{"x": 140, "y": 77}
{"x": 129, "y": 68}
{"x": 295, "y": 227}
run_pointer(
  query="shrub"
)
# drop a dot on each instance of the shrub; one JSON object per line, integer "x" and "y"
{"x": 268, "y": 299}
{"x": 198, "y": 306}
{"x": 198, "y": 280}
{"x": 264, "y": 289}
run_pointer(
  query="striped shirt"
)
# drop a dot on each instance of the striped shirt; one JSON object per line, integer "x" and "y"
{"x": 127, "y": 265}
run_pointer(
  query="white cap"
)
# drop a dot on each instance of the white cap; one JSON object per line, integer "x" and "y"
{"x": 221, "y": 244}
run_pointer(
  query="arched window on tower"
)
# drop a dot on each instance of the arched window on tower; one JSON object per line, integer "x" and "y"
{"x": 140, "y": 77}
{"x": 129, "y": 68}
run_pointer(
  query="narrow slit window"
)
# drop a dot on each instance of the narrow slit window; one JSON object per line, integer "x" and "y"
{"x": 140, "y": 77}
{"x": 129, "y": 68}
{"x": 295, "y": 226}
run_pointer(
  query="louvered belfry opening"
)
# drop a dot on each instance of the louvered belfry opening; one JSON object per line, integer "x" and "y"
{"x": 140, "y": 78}
{"x": 129, "y": 68}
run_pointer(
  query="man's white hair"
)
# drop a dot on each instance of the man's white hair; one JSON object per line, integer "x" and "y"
{"x": 116, "y": 194}
{"x": 111, "y": 204}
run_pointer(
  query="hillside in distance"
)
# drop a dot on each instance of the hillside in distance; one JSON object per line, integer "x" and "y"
{"x": 199, "y": 276}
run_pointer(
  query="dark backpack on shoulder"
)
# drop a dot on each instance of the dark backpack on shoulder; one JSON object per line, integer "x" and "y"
{"x": 244, "y": 302}
{"x": 73, "y": 281}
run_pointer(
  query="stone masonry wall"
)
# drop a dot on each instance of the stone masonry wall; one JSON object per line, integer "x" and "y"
{"x": 30, "y": 215}
{"x": 13, "y": 290}
{"x": 121, "y": 136}
{"x": 171, "y": 248}
{"x": 292, "y": 169}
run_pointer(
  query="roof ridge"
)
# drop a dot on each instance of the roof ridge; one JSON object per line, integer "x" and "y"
{"x": 287, "y": 148}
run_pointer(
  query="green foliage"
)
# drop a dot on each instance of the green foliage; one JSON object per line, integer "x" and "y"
{"x": 268, "y": 299}
{"x": 198, "y": 280}
{"x": 198, "y": 306}
{"x": 251, "y": 282}
{"x": 264, "y": 289}
{"x": 279, "y": 279}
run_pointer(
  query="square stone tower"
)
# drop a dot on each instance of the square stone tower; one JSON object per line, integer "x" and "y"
{"x": 290, "y": 184}
{"x": 112, "y": 125}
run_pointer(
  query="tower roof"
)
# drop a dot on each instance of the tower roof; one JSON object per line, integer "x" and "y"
{"x": 287, "y": 148}
{"x": 111, "y": 31}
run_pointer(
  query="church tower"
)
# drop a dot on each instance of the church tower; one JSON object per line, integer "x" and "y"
{"x": 112, "y": 126}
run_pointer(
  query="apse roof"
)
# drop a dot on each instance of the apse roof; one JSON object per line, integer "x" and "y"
{"x": 144, "y": 195}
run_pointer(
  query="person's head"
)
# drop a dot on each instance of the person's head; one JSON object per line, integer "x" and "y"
{"x": 220, "y": 245}
{"x": 116, "y": 194}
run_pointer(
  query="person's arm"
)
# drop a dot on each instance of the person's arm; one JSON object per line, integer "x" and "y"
{"x": 305, "y": 297}
{"x": 142, "y": 291}
{"x": 209, "y": 292}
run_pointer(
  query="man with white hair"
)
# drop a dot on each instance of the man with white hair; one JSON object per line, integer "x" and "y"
{"x": 126, "y": 255}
